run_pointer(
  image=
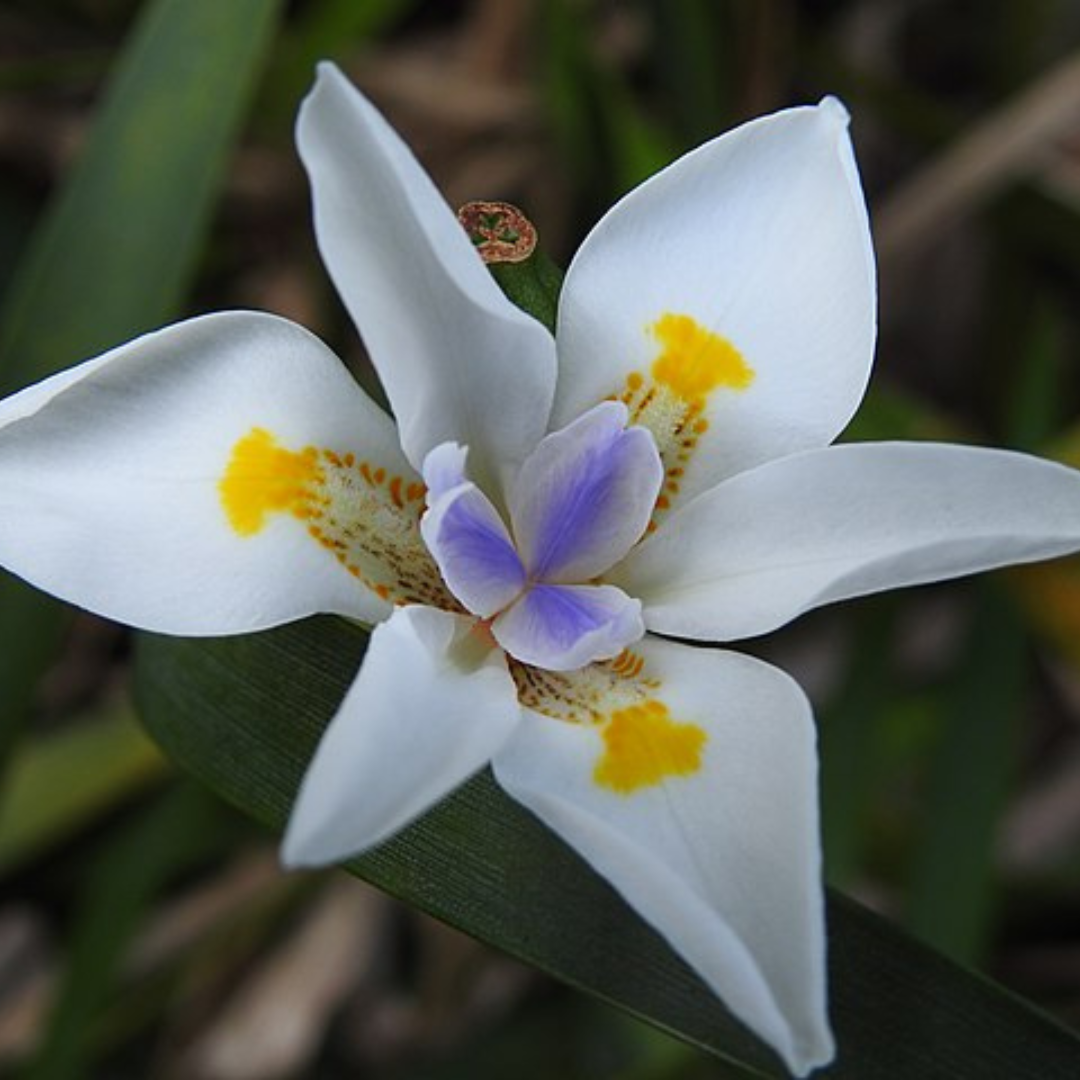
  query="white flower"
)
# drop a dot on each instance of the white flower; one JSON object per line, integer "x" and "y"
{"x": 715, "y": 334}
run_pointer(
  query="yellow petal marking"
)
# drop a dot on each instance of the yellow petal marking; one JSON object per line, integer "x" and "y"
{"x": 263, "y": 478}
{"x": 364, "y": 516}
{"x": 643, "y": 746}
{"x": 671, "y": 400}
{"x": 695, "y": 361}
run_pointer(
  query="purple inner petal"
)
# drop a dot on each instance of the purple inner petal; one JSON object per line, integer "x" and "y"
{"x": 562, "y": 616}
{"x": 466, "y": 536}
{"x": 562, "y": 627}
{"x": 585, "y": 496}
{"x": 444, "y": 469}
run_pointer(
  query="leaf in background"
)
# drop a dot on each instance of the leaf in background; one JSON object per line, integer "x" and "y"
{"x": 62, "y": 780}
{"x": 697, "y": 57}
{"x": 244, "y": 715}
{"x": 953, "y": 887}
{"x": 1048, "y": 592}
{"x": 131, "y": 867}
{"x": 852, "y": 761}
{"x": 118, "y": 247}
{"x": 602, "y": 129}
{"x": 324, "y": 30}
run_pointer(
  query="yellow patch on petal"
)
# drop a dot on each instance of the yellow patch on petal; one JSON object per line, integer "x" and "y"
{"x": 695, "y": 361}
{"x": 672, "y": 399}
{"x": 365, "y": 517}
{"x": 643, "y": 746}
{"x": 263, "y": 478}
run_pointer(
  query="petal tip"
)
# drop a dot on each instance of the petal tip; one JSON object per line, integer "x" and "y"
{"x": 327, "y": 75}
{"x": 298, "y": 852}
{"x": 805, "y": 1060}
{"x": 835, "y": 110}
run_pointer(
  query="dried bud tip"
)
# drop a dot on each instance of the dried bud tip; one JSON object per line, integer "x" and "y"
{"x": 499, "y": 230}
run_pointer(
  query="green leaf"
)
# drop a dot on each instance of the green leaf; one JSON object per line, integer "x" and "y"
{"x": 62, "y": 780}
{"x": 849, "y": 737}
{"x": 324, "y": 30}
{"x": 244, "y": 714}
{"x": 603, "y": 129}
{"x": 120, "y": 243}
{"x": 533, "y": 285}
{"x": 953, "y": 887}
{"x": 118, "y": 246}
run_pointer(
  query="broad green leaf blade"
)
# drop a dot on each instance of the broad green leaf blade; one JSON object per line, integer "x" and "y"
{"x": 244, "y": 714}
{"x": 117, "y": 248}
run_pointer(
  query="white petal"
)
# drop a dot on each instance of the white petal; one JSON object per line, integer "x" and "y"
{"x": 458, "y": 360}
{"x": 724, "y": 860}
{"x": 563, "y": 627}
{"x": 761, "y": 237}
{"x": 431, "y": 705}
{"x": 473, "y": 550}
{"x": 584, "y": 496}
{"x": 767, "y": 545}
{"x": 32, "y": 398}
{"x": 110, "y": 473}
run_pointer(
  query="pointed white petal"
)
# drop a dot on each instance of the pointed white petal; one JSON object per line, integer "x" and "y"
{"x": 431, "y": 705}
{"x": 474, "y": 552}
{"x": 563, "y": 627}
{"x": 696, "y": 798}
{"x": 584, "y": 496}
{"x": 458, "y": 360}
{"x": 759, "y": 237}
{"x": 767, "y": 545}
{"x": 110, "y": 477}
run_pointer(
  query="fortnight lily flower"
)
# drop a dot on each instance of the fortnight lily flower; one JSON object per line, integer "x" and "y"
{"x": 540, "y": 516}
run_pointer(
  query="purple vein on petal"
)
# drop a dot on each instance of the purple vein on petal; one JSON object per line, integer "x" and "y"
{"x": 585, "y": 495}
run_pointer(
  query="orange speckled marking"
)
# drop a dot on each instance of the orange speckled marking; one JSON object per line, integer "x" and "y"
{"x": 628, "y": 664}
{"x": 643, "y": 746}
{"x": 365, "y": 519}
{"x": 589, "y": 694}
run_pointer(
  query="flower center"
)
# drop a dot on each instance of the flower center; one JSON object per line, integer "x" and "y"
{"x": 579, "y": 502}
